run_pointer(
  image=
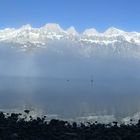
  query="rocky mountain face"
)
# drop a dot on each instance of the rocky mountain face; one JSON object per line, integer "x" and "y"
{"x": 113, "y": 41}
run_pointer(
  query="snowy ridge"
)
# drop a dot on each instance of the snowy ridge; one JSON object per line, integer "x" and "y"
{"x": 54, "y": 31}
{"x": 113, "y": 39}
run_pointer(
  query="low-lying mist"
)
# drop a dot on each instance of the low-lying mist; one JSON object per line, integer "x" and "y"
{"x": 63, "y": 81}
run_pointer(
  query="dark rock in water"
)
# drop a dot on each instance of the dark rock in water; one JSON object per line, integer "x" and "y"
{"x": 27, "y": 111}
{"x": 14, "y": 136}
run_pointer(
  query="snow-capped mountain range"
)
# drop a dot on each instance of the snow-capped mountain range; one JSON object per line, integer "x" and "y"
{"x": 113, "y": 39}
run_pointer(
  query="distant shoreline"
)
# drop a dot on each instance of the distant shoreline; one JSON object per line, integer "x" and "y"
{"x": 13, "y": 128}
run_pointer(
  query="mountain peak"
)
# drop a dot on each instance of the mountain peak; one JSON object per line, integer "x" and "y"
{"x": 26, "y": 27}
{"x": 90, "y": 32}
{"x": 113, "y": 31}
{"x": 72, "y": 31}
{"x": 52, "y": 27}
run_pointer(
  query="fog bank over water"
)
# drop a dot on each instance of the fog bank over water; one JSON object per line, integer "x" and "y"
{"x": 63, "y": 81}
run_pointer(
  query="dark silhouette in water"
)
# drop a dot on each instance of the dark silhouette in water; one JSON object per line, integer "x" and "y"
{"x": 91, "y": 81}
{"x": 13, "y": 127}
{"x": 68, "y": 80}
